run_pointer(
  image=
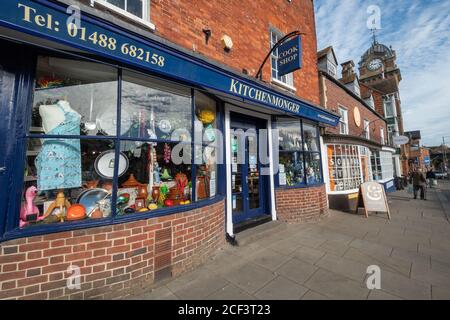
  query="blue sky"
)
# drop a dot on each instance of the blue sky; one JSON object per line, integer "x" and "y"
{"x": 419, "y": 31}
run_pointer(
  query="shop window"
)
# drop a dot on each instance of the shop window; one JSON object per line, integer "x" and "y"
{"x": 154, "y": 177}
{"x": 64, "y": 181}
{"x": 382, "y": 165}
{"x": 287, "y": 79}
{"x": 382, "y": 141}
{"x": 344, "y": 166}
{"x": 299, "y": 154}
{"x": 83, "y": 94}
{"x": 153, "y": 110}
{"x": 77, "y": 157}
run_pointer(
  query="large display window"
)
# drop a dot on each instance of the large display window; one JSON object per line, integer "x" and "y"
{"x": 106, "y": 143}
{"x": 382, "y": 165}
{"x": 345, "y": 167}
{"x": 299, "y": 153}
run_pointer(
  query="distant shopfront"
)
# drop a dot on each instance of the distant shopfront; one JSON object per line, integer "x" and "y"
{"x": 351, "y": 163}
{"x": 112, "y": 147}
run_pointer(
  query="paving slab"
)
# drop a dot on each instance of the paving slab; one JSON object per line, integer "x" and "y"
{"x": 342, "y": 266}
{"x": 230, "y": 292}
{"x": 249, "y": 277}
{"x": 381, "y": 295}
{"x": 336, "y": 286}
{"x": 312, "y": 295}
{"x": 308, "y": 255}
{"x": 297, "y": 270}
{"x": 269, "y": 259}
{"x": 281, "y": 288}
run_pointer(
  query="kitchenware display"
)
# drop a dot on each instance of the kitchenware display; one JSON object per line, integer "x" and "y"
{"x": 90, "y": 184}
{"x": 142, "y": 192}
{"x": 91, "y": 125}
{"x": 131, "y": 182}
{"x": 123, "y": 198}
{"x": 96, "y": 213}
{"x": 210, "y": 133}
{"x": 155, "y": 193}
{"x": 165, "y": 175}
{"x": 152, "y": 206}
{"x": 129, "y": 210}
{"x": 60, "y": 202}
{"x": 29, "y": 211}
{"x": 107, "y": 185}
{"x": 105, "y": 206}
{"x": 107, "y": 122}
{"x": 165, "y": 126}
{"x": 206, "y": 116}
{"x": 90, "y": 198}
{"x": 104, "y": 164}
{"x": 76, "y": 212}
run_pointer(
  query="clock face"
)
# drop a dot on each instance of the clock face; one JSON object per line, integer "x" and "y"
{"x": 374, "y": 64}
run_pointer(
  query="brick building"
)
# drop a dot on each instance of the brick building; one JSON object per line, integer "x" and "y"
{"x": 357, "y": 150}
{"x": 136, "y": 137}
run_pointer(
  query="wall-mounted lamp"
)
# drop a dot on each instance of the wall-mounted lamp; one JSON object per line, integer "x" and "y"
{"x": 207, "y": 33}
{"x": 227, "y": 42}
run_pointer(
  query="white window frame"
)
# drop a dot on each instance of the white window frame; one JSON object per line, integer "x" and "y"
{"x": 382, "y": 136}
{"x": 367, "y": 129}
{"x": 286, "y": 81}
{"x": 343, "y": 120}
{"x": 332, "y": 69}
{"x": 145, "y": 20}
{"x": 391, "y": 101}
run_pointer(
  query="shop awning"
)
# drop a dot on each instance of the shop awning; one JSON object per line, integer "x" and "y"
{"x": 48, "y": 20}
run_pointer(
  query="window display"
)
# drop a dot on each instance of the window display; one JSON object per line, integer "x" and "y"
{"x": 382, "y": 165}
{"x": 299, "y": 153}
{"x": 153, "y": 110}
{"x": 77, "y": 91}
{"x": 345, "y": 167}
{"x": 61, "y": 183}
{"x": 75, "y": 159}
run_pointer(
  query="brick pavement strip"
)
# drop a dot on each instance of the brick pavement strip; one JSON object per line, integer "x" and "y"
{"x": 329, "y": 259}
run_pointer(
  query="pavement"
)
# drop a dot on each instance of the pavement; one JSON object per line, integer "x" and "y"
{"x": 329, "y": 259}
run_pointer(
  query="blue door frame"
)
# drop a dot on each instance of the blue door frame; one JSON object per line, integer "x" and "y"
{"x": 15, "y": 85}
{"x": 239, "y": 121}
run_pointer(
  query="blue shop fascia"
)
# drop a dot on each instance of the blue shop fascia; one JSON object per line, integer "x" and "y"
{"x": 93, "y": 113}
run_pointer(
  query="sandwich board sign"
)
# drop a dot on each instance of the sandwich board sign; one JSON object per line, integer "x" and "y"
{"x": 373, "y": 198}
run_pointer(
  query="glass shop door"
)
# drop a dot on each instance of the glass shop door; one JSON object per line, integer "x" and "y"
{"x": 249, "y": 187}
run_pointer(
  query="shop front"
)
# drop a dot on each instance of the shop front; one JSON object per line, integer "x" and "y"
{"x": 130, "y": 159}
{"x": 351, "y": 162}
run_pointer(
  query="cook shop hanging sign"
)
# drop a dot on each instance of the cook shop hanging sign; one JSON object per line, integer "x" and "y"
{"x": 289, "y": 56}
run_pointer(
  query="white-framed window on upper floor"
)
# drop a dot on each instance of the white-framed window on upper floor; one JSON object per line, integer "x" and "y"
{"x": 389, "y": 106}
{"x": 332, "y": 69}
{"x": 137, "y": 10}
{"x": 367, "y": 129}
{"x": 343, "y": 121}
{"x": 285, "y": 80}
{"x": 382, "y": 141}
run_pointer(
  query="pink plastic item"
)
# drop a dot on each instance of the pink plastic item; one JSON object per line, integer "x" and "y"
{"x": 29, "y": 212}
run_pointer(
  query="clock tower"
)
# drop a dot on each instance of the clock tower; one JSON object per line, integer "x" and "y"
{"x": 379, "y": 72}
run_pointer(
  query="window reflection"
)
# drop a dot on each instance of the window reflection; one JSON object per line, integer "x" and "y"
{"x": 74, "y": 97}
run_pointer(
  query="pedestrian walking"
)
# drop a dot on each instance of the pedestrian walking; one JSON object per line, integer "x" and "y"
{"x": 431, "y": 176}
{"x": 419, "y": 182}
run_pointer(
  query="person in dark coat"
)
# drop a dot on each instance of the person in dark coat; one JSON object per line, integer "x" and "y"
{"x": 419, "y": 183}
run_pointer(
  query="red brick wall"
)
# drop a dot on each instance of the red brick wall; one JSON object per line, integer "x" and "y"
{"x": 114, "y": 260}
{"x": 301, "y": 204}
{"x": 335, "y": 96}
{"x": 247, "y": 23}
